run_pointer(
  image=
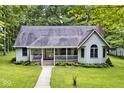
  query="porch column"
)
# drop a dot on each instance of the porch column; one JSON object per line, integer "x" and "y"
{"x": 30, "y": 54}
{"x": 54, "y": 56}
{"x": 66, "y": 54}
{"x": 42, "y": 58}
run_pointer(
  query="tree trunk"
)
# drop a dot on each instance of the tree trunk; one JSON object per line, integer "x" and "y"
{"x": 4, "y": 47}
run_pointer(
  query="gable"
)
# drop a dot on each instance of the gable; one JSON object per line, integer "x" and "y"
{"x": 94, "y": 38}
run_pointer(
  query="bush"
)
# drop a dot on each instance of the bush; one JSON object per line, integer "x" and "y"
{"x": 75, "y": 81}
{"x": 86, "y": 65}
{"x": 108, "y": 61}
{"x": 25, "y": 63}
{"x": 60, "y": 64}
{"x": 13, "y": 60}
{"x": 66, "y": 64}
{"x": 17, "y": 63}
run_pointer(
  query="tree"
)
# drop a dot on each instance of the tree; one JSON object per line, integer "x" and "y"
{"x": 111, "y": 17}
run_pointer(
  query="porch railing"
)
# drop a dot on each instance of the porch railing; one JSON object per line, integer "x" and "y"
{"x": 57, "y": 57}
{"x": 36, "y": 57}
{"x": 66, "y": 57}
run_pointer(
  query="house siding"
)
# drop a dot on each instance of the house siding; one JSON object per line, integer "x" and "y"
{"x": 94, "y": 39}
{"x": 20, "y": 57}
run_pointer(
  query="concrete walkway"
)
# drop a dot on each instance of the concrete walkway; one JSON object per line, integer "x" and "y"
{"x": 44, "y": 78}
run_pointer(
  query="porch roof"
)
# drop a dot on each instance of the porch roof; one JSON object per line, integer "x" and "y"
{"x": 52, "y": 36}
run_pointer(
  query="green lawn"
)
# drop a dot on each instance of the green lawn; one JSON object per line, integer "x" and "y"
{"x": 17, "y": 76}
{"x": 90, "y": 77}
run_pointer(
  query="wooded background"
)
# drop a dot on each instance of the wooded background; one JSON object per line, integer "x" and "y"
{"x": 12, "y": 17}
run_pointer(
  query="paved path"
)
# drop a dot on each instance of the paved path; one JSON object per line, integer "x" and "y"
{"x": 44, "y": 78}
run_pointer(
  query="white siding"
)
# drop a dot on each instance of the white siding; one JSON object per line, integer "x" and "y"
{"x": 19, "y": 56}
{"x": 94, "y": 39}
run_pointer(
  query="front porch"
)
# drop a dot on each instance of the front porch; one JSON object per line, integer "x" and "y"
{"x": 49, "y": 56}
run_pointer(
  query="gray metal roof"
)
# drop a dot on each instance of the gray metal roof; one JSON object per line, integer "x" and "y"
{"x": 39, "y": 36}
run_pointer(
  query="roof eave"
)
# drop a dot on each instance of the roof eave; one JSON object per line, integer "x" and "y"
{"x": 46, "y": 46}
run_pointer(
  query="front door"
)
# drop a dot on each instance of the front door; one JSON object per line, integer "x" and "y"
{"x": 48, "y": 54}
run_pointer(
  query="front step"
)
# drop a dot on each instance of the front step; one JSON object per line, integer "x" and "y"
{"x": 48, "y": 63}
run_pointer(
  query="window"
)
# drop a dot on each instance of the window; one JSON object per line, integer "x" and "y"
{"x": 82, "y": 52}
{"x": 24, "y": 51}
{"x": 104, "y": 52}
{"x": 94, "y": 51}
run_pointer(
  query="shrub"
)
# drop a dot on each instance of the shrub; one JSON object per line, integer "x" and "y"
{"x": 108, "y": 61}
{"x": 74, "y": 81}
{"x": 74, "y": 77}
{"x": 66, "y": 64}
{"x": 17, "y": 63}
{"x": 13, "y": 60}
{"x": 86, "y": 65}
{"x": 76, "y": 64}
{"x": 25, "y": 63}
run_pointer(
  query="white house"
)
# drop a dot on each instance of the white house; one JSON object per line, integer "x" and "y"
{"x": 83, "y": 44}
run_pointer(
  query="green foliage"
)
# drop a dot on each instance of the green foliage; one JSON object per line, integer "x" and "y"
{"x": 13, "y": 60}
{"x": 63, "y": 63}
{"x": 25, "y": 63}
{"x": 111, "y": 17}
{"x": 86, "y": 65}
{"x": 18, "y": 62}
{"x": 75, "y": 80}
{"x": 1, "y": 23}
{"x": 108, "y": 61}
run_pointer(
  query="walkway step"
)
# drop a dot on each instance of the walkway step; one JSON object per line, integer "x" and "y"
{"x": 44, "y": 78}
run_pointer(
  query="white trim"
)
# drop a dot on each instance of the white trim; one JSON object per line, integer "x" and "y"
{"x": 20, "y": 46}
{"x": 66, "y": 54}
{"x": 85, "y": 40}
{"x": 53, "y": 47}
{"x": 54, "y": 56}
{"x": 90, "y": 36}
{"x": 45, "y": 46}
{"x": 103, "y": 39}
{"x": 30, "y": 55}
{"x": 42, "y": 58}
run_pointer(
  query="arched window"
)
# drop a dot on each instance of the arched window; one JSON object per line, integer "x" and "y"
{"x": 94, "y": 51}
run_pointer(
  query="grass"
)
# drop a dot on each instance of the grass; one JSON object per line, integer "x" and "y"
{"x": 62, "y": 77}
{"x": 17, "y": 76}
